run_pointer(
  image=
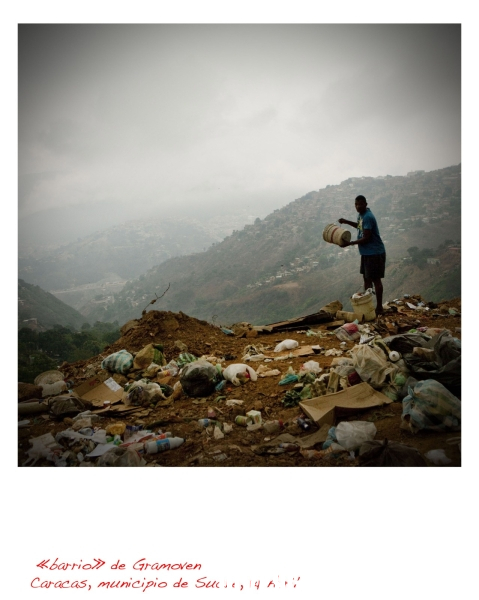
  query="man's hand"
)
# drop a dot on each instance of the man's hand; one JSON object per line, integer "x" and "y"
{"x": 344, "y": 244}
{"x": 341, "y": 221}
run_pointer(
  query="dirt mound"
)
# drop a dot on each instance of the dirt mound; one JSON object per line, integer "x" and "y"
{"x": 176, "y": 332}
{"x": 165, "y": 327}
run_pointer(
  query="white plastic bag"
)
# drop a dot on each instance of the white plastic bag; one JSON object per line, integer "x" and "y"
{"x": 264, "y": 371}
{"x": 438, "y": 457}
{"x": 311, "y": 367}
{"x": 351, "y": 434}
{"x": 286, "y": 345}
{"x": 348, "y": 332}
{"x": 232, "y": 372}
{"x": 53, "y": 389}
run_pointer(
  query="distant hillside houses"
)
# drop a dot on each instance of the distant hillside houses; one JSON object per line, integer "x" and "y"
{"x": 299, "y": 265}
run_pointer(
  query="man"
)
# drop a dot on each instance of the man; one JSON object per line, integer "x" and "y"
{"x": 371, "y": 249}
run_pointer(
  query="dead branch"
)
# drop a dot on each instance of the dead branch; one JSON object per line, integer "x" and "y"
{"x": 155, "y": 299}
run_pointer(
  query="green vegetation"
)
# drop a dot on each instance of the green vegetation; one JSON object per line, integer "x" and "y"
{"x": 38, "y": 352}
{"x": 448, "y": 286}
{"x": 33, "y": 302}
{"x": 419, "y": 257}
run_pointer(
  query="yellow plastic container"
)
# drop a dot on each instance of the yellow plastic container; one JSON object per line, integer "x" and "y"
{"x": 334, "y": 234}
{"x": 363, "y": 306}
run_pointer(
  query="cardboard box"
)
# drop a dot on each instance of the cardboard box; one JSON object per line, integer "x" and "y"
{"x": 324, "y": 409}
{"x": 97, "y": 391}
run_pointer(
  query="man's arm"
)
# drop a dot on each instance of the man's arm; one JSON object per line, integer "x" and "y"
{"x": 367, "y": 233}
{"x": 346, "y": 222}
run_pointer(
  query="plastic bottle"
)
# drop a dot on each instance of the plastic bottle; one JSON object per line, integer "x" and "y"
{"x": 303, "y": 423}
{"x": 205, "y": 422}
{"x": 86, "y": 431}
{"x": 156, "y": 446}
{"x": 273, "y": 426}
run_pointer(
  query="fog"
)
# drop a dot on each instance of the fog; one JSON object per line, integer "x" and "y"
{"x": 130, "y": 120}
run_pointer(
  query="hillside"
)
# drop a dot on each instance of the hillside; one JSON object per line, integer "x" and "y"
{"x": 44, "y": 309}
{"x": 280, "y": 267}
{"x": 102, "y": 262}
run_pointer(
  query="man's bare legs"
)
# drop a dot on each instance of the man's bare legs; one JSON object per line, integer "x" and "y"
{"x": 378, "y": 288}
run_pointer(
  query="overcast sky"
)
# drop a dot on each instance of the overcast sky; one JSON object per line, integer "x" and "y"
{"x": 242, "y": 115}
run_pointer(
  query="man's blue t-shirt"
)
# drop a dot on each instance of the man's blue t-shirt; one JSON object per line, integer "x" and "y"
{"x": 375, "y": 245}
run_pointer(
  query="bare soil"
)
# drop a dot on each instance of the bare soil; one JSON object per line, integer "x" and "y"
{"x": 236, "y": 448}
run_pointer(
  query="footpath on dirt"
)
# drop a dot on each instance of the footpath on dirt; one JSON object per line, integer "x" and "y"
{"x": 336, "y": 388}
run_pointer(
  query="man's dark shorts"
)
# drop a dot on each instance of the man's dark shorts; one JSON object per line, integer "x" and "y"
{"x": 372, "y": 266}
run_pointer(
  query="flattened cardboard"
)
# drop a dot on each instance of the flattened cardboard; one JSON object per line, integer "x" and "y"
{"x": 97, "y": 391}
{"x": 324, "y": 409}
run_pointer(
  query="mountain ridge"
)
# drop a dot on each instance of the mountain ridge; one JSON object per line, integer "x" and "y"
{"x": 243, "y": 277}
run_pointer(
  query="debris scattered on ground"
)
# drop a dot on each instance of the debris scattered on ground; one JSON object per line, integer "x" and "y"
{"x": 177, "y": 391}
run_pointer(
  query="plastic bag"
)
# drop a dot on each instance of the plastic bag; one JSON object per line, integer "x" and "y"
{"x": 151, "y": 370}
{"x": 199, "y": 378}
{"x": 358, "y": 295}
{"x": 289, "y": 378}
{"x": 405, "y": 343}
{"x": 286, "y": 345}
{"x": 152, "y": 353}
{"x": 44, "y": 446}
{"x": 120, "y": 457}
{"x": 185, "y": 358}
{"x": 253, "y": 353}
{"x": 64, "y": 406}
{"x": 371, "y": 365}
{"x": 348, "y": 332}
{"x": 118, "y": 362}
{"x": 438, "y": 457}
{"x": 344, "y": 370}
{"x": 264, "y": 371}
{"x": 351, "y": 434}
{"x": 239, "y": 373}
{"x": 330, "y": 439}
{"x": 384, "y": 453}
{"x": 311, "y": 366}
{"x": 170, "y": 369}
{"x": 53, "y": 389}
{"x": 446, "y": 368}
{"x": 143, "y": 393}
{"x": 430, "y": 405}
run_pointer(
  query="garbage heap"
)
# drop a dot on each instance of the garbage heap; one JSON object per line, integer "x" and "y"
{"x": 329, "y": 389}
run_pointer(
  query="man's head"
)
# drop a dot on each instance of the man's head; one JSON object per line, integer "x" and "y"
{"x": 360, "y": 204}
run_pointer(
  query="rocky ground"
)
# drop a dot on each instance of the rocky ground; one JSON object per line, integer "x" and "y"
{"x": 239, "y": 447}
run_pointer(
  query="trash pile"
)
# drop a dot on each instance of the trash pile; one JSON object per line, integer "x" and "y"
{"x": 322, "y": 390}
